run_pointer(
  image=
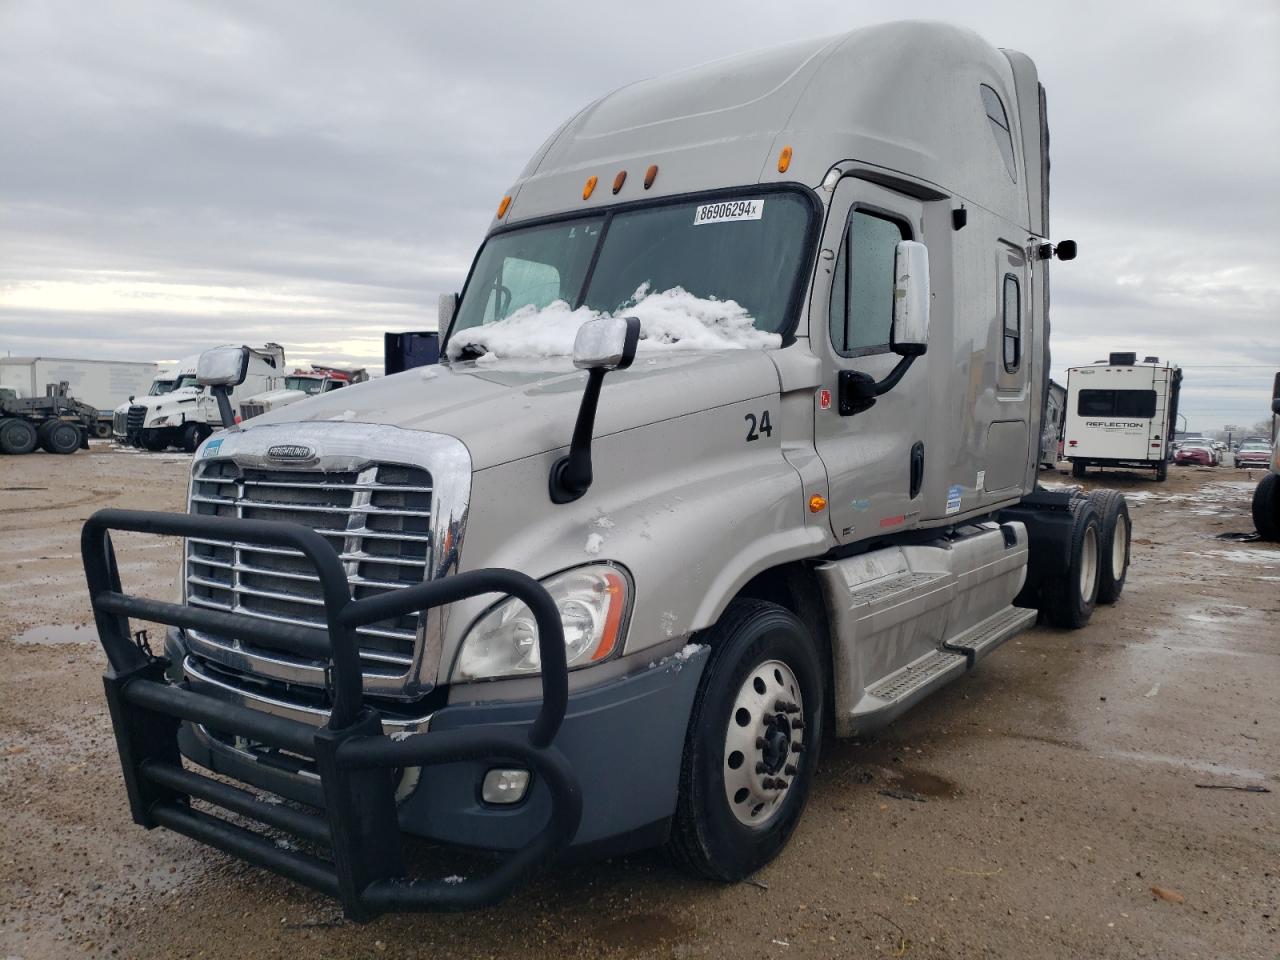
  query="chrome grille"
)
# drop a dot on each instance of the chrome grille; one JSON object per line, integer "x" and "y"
{"x": 250, "y": 410}
{"x": 377, "y": 518}
{"x": 136, "y": 417}
{"x": 120, "y": 422}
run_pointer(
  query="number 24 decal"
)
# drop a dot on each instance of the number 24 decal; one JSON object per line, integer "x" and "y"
{"x": 758, "y": 427}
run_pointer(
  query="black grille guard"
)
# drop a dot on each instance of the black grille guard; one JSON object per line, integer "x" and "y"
{"x": 356, "y": 762}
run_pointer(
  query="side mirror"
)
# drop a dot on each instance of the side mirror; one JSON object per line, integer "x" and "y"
{"x": 608, "y": 343}
{"x": 446, "y": 307}
{"x": 600, "y": 346}
{"x": 223, "y": 367}
{"x": 910, "y": 334}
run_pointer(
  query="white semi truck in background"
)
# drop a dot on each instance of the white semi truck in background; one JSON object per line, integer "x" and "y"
{"x": 735, "y": 445}
{"x": 185, "y": 414}
{"x": 302, "y": 383}
{"x": 102, "y": 384}
{"x": 169, "y": 376}
{"x": 1121, "y": 413}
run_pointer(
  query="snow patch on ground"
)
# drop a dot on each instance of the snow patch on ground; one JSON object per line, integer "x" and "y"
{"x": 670, "y": 320}
{"x": 1265, "y": 558}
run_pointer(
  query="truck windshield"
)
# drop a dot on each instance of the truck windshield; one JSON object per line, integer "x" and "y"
{"x": 185, "y": 381}
{"x": 160, "y": 387}
{"x": 747, "y": 248}
{"x": 308, "y": 385}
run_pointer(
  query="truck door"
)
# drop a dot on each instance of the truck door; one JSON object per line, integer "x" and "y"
{"x": 1003, "y": 461}
{"x": 874, "y": 459}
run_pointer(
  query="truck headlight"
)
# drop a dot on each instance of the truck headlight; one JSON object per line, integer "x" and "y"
{"x": 593, "y": 603}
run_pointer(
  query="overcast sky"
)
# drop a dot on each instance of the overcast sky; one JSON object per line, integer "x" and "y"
{"x": 176, "y": 174}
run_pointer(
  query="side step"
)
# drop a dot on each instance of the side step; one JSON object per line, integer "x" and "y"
{"x": 903, "y": 689}
{"x": 982, "y": 638}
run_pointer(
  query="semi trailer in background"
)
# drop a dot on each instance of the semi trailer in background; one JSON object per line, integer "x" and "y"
{"x": 100, "y": 384}
{"x": 1121, "y": 413}
{"x": 734, "y": 443}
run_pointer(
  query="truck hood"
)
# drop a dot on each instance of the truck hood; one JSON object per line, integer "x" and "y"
{"x": 172, "y": 398}
{"x": 277, "y": 397}
{"x": 510, "y": 409}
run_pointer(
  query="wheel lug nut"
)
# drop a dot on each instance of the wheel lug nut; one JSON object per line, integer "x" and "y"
{"x": 780, "y": 706}
{"x": 797, "y": 748}
{"x": 797, "y": 724}
{"x": 761, "y": 768}
{"x": 790, "y": 770}
{"x": 760, "y": 744}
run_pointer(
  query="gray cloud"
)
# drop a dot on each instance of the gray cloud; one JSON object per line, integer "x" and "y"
{"x": 317, "y": 172}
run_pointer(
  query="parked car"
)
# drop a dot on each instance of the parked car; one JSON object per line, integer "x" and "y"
{"x": 1205, "y": 444}
{"x": 1254, "y": 453}
{"x": 1190, "y": 453}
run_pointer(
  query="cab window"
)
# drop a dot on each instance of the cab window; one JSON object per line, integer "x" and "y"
{"x": 861, "y": 311}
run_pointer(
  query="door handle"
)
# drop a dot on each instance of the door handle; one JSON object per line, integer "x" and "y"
{"x": 917, "y": 468}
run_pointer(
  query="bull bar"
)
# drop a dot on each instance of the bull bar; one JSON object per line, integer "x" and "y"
{"x": 356, "y": 762}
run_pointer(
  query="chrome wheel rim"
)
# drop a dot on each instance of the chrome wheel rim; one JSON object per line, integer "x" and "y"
{"x": 1088, "y": 563}
{"x": 763, "y": 743}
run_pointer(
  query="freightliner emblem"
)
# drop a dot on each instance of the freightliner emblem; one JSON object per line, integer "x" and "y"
{"x": 290, "y": 451}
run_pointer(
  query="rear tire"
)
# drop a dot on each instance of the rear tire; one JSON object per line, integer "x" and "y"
{"x": 1068, "y": 601}
{"x": 17, "y": 436}
{"x": 1266, "y": 507}
{"x": 102, "y": 430}
{"x": 1077, "y": 470}
{"x": 1162, "y": 471}
{"x": 62, "y": 437}
{"x": 732, "y": 818}
{"x": 1115, "y": 531}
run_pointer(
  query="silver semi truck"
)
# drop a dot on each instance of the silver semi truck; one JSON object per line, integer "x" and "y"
{"x": 734, "y": 446}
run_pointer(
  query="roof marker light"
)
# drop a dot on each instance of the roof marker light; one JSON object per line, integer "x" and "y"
{"x": 784, "y": 159}
{"x": 588, "y": 187}
{"x": 650, "y": 175}
{"x": 502, "y": 207}
{"x": 619, "y": 180}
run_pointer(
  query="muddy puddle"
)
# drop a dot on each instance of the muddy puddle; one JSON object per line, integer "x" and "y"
{"x": 921, "y": 783}
{"x": 642, "y": 931}
{"x": 58, "y": 634}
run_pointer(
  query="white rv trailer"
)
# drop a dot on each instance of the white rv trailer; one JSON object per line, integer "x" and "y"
{"x": 1121, "y": 413}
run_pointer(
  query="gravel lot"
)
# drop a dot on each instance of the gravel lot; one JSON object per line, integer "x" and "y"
{"x": 1031, "y": 810}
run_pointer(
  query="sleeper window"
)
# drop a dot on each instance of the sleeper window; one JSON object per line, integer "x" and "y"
{"x": 998, "y": 120}
{"x": 861, "y": 311}
{"x": 1012, "y": 324}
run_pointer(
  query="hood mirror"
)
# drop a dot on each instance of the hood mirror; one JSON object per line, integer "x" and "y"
{"x": 220, "y": 369}
{"x": 600, "y": 346}
{"x": 446, "y": 307}
{"x": 223, "y": 367}
{"x": 608, "y": 343}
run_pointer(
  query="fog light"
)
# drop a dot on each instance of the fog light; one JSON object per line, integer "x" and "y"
{"x": 504, "y": 786}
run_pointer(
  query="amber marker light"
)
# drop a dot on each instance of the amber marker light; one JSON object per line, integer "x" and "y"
{"x": 619, "y": 180}
{"x": 817, "y": 503}
{"x": 784, "y": 159}
{"x": 613, "y": 619}
{"x": 589, "y": 187}
{"x": 502, "y": 207}
{"x": 650, "y": 175}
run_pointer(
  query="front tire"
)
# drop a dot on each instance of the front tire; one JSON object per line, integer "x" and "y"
{"x": 1077, "y": 470}
{"x": 1115, "y": 530}
{"x": 192, "y": 436}
{"x": 1266, "y": 507}
{"x": 752, "y": 745}
{"x": 1068, "y": 601}
{"x": 17, "y": 436}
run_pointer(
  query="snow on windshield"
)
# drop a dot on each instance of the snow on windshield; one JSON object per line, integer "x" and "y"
{"x": 671, "y": 320}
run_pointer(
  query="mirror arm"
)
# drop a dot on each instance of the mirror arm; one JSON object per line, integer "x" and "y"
{"x": 224, "y": 406}
{"x": 571, "y": 475}
{"x": 858, "y": 390}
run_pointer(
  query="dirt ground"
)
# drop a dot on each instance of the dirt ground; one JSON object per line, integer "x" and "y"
{"x": 1056, "y": 802}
